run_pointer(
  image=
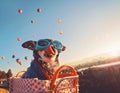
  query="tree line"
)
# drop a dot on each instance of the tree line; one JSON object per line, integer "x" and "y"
{"x": 5, "y": 75}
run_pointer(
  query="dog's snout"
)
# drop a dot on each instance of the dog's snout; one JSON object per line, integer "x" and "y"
{"x": 50, "y": 49}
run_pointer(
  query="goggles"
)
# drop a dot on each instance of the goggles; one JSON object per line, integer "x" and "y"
{"x": 44, "y": 43}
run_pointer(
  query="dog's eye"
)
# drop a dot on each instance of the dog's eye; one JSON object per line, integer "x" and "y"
{"x": 42, "y": 43}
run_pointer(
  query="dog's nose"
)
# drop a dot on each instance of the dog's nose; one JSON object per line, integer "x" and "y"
{"x": 50, "y": 49}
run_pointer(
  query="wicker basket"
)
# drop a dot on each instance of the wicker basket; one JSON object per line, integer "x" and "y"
{"x": 60, "y": 83}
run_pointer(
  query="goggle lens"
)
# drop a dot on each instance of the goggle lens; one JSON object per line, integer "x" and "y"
{"x": 42, "y": 44}
{"x": 57, "y": 44}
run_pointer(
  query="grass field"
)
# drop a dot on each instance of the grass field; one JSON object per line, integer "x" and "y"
{"x": 3, "y": 90}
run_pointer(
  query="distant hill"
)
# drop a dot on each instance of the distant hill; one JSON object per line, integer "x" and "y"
{"x": 99, "y": 74}
{"x": 95, "y": 60}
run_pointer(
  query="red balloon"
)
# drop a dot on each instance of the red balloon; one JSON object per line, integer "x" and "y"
{"x": 20, "y": 11}
{"x": 19, "y": 61}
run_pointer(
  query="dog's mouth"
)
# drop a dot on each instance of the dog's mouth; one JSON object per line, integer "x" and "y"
{"x": 48, "y": 55}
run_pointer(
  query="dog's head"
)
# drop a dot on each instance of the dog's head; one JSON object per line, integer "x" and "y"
{"x": 46, "y": 49}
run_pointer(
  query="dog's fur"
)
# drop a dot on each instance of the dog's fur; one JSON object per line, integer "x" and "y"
{"x": 45, "y": 61}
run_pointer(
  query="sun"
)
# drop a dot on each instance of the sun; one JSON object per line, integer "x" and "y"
{"x": 114, "y": 52}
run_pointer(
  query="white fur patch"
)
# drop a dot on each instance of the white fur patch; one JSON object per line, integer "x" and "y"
{"x": 45, "y": 58}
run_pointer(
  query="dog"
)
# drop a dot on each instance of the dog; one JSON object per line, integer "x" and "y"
{"x": 45, "y": 62}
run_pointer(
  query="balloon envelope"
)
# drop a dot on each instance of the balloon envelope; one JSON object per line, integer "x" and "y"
{"x": 18, "y": 39}
{"x": 2, "y": 57}
{"x": 26, "y": 58}
{"x": 59, "y": 20}
{"x": 19, "y": 61}
{"x": 32, "y": 21}
{"x": 39, "y": 10}
{"x": 20, "y": 11}
{"x": 60, "y": 32}
{"x": 13, "y": 56}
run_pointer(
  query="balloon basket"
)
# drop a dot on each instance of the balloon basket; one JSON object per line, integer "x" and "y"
{"x": 60, "y": 83}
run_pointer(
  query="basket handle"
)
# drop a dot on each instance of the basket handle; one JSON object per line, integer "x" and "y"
{"x": 17, "y": 75}
{"x": 57, "y": 75}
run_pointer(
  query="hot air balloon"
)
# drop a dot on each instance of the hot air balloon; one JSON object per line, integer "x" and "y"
{"x": 20, "y": 11}
{"x": 59, "y": 20}
{"x": 60, "y": 32}
{"x": 39, "y": 10}
{"x": 26, "y": 58}
{"x": 18, "y": 39}
{"x": 32, "y": 21}
{"x": 13, "y": 56}
{"x": 19, "y": 61}
{"x": 3, "y": 58}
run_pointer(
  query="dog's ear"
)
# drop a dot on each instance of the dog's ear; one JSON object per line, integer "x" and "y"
{"x": 29, "y": 45}
{"x": 63, "y": 48}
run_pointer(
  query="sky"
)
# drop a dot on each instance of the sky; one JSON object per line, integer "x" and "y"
{"x": 89, "y": 27}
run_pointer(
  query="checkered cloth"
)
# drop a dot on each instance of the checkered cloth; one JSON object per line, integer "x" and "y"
{"x": 20, "y": 85}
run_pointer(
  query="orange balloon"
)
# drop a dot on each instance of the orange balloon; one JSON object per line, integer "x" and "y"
{"x": 18, "y": 39}
{"x": 60, "y": 32}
